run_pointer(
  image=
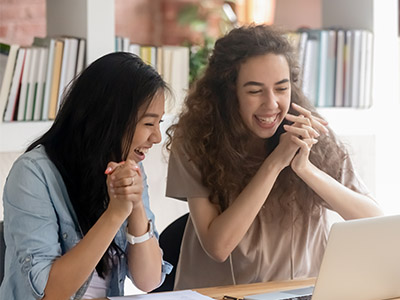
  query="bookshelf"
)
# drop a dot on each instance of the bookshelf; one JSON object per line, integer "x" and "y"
{"x": 378, "y": 122}
{"x": 90, "y": 19}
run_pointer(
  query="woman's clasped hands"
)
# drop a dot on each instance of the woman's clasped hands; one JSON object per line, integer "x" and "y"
{"x": 303, "y": 134}
{"x": 125, "y": 187}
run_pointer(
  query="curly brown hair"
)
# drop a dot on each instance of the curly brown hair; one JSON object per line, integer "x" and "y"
{"x": 211, "y": 133}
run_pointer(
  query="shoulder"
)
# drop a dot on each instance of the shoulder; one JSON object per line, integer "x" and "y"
{"x": 32, "y": 167}
{"x": 35, "y": 160}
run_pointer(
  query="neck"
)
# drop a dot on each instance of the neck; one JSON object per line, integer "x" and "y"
{"x": 257, "y": 147}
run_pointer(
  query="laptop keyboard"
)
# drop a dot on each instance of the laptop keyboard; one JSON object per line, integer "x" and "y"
{"x": 305, "y": 297}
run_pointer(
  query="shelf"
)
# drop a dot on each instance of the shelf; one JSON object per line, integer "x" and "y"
{"x": 16, "y": 136}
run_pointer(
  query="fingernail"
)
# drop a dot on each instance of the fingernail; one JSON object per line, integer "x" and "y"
{"x": 108, "y": 171}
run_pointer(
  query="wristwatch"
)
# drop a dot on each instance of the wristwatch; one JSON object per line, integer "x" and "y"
{"x": 140, "y": 239}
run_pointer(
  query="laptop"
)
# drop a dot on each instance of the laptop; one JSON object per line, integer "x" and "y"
{"x": 361, "y": 262}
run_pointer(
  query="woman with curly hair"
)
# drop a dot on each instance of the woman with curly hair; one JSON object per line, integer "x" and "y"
{"x": 259, "y": 168}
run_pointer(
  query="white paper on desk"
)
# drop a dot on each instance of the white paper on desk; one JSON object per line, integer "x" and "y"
{"x": 178, "y": 295}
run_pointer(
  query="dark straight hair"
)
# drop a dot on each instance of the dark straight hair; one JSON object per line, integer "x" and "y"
{"x": 94, "y": 126}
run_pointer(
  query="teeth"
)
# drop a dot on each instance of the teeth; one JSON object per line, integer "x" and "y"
{"x": 267, "y": 120}
{"x": 142, "y": 150}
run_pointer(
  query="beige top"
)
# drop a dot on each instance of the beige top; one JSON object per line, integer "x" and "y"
{"x": 269, "y": 251}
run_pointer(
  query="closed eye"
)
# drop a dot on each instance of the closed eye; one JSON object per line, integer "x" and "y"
{"x": 152, "y": 124}
{"x": 255, "y": 92}
{"x": 282, "y": 89}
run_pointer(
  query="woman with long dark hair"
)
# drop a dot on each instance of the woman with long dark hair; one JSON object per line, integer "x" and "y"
{"x": 259, "y": 168}
{"x": 76, "y": 208}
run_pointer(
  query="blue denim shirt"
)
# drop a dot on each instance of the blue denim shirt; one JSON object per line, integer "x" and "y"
{"x": 40, "y": 225}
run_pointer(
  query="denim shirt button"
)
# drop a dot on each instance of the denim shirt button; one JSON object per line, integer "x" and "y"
{"x": 65, "y": 235}
{"x": 28, "y": 259}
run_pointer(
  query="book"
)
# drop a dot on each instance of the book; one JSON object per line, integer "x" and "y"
{"x": 160, "y": 60}
{"x": 347, "y": 68}
{"x": 355, "y": 59}
{"x": 339, "y": 77}
{"x": 135, "y": 49}
{"x": 176, "y": 74}
{"x": 125, "y": 44}
{"x": 118, "y": 43}
{"x": 363, "y": 65}
{"x": 4, "y": 51}
{"x": 63, "y": 71}
{"x": 40, "y": 83}
{"x": 49, "y": 76}
{"x": 302, "y": 48}
{"x": 145, "y": 54}
{"x": 12, "y": 102}
{"x": 322, "y": 35}
{"x": 80, "y": 62}
{"x": 24, "y": 85}
{"x": 310, "y": 71}
{"x": 70, "y": 53}
{"x": 8, "y": 52}
{"x": 31, "y": 88}
{"x": 294, "y": 40}
{"x": 368, "y": 70}
{"x": 330, "y": 69}
{"x": 55, "y": 79}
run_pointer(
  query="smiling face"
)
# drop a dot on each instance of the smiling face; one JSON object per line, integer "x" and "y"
{"x": 263, "y": 90}
{"x": 147, "y": 130}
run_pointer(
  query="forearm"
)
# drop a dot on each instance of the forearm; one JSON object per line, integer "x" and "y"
{"x": 145, "y": 258}
{"x": 348, "y": 203}
{"x": 226, "y": 230}
{"x": 70, "y": 271}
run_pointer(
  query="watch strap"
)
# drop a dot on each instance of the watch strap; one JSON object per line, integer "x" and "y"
{"x": 140, "y": 239}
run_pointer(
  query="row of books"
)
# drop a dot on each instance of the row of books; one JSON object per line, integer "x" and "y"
{"x": 336, "y": 66}
{"x": 171, "y": 62}
{"x": 34, "y": 78}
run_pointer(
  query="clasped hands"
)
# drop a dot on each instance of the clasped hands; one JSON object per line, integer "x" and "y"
{"x": 302, "y": 135}
{"x": 125, "y": 187}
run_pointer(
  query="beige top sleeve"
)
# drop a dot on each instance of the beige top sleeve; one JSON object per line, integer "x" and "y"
{"x": 184, "y": 178}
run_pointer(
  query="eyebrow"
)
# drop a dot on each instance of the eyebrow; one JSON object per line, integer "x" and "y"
{"x": 150, "y": 115}
{"x": 256, "y": 83}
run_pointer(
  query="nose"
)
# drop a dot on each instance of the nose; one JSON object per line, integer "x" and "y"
{"x": 155, "y": 136}
{"x": 270, "y": 100}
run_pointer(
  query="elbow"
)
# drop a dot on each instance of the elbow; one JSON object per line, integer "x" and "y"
{"x": 218, "y": 254}
{"x": 147, "y": 286}
{"x": 376, "y": 212}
